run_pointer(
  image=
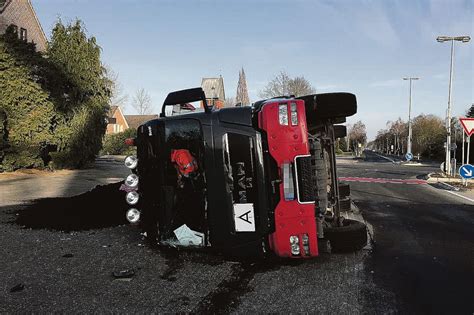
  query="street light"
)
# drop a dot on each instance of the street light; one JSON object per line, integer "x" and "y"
{"x": 442, "y": 39}
{"x": 409, "y": 115}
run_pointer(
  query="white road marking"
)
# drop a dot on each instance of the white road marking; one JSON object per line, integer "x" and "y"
{"x": 461, "y": 196}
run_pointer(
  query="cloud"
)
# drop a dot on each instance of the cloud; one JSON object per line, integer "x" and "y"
{"x": 372, "y": 19}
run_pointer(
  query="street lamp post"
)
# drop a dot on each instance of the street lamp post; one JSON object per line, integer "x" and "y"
{"x": 442, "y": 39}
{"x": 409, "y": 115}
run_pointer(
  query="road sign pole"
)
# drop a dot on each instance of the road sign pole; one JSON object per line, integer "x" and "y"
{"x": 409, "y": 123}
{"x": 463, "y": 144}
{"x": 468, "y": 148}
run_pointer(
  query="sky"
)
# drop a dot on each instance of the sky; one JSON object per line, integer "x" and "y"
{"x": 359, "y": 46}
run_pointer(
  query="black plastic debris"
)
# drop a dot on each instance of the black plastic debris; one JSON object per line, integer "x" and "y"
{"x": 68, "y": 255}
{"x": 19, "y": 287}
{"x": 123, "y": 274}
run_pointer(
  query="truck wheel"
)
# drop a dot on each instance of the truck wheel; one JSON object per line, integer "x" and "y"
{"x": 340, "y": 131}
{"x": 350, "y": 237}
{"x": 320, "y": 176}
{"x": 329, "y": 105}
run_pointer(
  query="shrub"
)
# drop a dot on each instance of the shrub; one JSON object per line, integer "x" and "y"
{"x": 115, "y": 143}
{"x": 56, "y": 104}
{"x": 27, "y": 115}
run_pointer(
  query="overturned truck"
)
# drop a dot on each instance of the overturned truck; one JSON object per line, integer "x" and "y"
{"x": 244, "y": 180}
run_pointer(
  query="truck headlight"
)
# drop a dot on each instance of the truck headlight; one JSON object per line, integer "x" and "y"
{"x": 283, "y": 114}
{"x": 131, "y": 161}
{"x": 132, "y": 198}
{"x": 131, "y": 180}
{"x": 294, "y": 239}
{"x": 133, "y": 215}
{"x": 294, "y": 114}
{"x": 295, "y": 245}
{"x": 295, "y": 249}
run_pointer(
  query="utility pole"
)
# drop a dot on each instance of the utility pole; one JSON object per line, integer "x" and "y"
{"x": 442, "y": 39}
{"x": 409, "y": 115}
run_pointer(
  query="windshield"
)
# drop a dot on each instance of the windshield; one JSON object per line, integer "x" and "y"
{"x": 184, "y": 108}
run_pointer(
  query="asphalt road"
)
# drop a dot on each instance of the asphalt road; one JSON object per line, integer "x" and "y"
{"x": 424, "y": 237}
{"x": 422, "y": 260}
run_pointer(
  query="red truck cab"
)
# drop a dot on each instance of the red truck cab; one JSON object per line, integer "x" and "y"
{"x": 284, "y": 122}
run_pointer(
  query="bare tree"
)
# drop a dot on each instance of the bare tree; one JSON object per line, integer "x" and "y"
{"x": 142, "y": 102}
{"x": 300, "y": 86}
{"x": 278, "y": 86}
{"x": 357, "y": 136}
{"x": 399, "y": 130}
{"x": 118, "y": 96}
{"x": 242, "y": 92}
{"x": 283, "y": 84}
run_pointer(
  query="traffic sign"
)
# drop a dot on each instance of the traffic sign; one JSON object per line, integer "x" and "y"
{"x": 468, "y": 125}
{"x": 466, "y": 171}
{"x": 409, "y": 156}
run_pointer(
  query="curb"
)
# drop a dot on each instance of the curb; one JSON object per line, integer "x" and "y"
{"x": 449, "y": 187}
{"x": 446, "y": 180}
{"x": 413, "y": 164}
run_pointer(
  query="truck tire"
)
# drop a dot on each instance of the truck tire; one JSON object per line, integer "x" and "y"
{"x": 350, "y": 237}
{"x": 329, "y": 106}
{"x": 340, "y": 131}
{"x": 320, "y": 176}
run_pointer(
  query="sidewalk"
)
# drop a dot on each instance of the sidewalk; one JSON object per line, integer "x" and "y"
{"x": 26, "y": 185}
{"x": 454, "y": 186}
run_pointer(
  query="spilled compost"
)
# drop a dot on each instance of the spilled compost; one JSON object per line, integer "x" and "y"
{"x": 102, "y": 207}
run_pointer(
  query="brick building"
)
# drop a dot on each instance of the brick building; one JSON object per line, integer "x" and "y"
{"x": 214, "y": 90}
{"x": 116, "y": 121}
{"x": 21, "y": 15}
{"x": 134, "y": 121}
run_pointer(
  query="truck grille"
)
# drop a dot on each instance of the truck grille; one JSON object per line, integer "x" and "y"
{"x": 304, "y": 179}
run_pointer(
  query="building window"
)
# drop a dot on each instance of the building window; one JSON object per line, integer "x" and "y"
{"x": 23, "y": 34}
{"x": 117, "y": 128}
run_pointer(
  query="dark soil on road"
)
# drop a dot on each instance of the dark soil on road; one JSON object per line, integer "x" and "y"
{"x": 103, "y": 206}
